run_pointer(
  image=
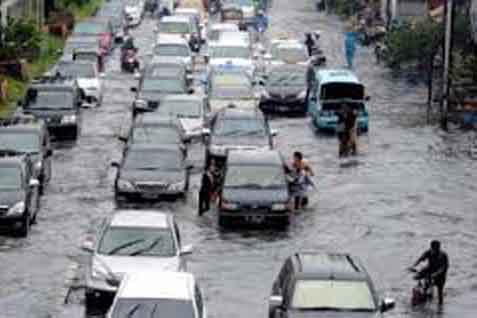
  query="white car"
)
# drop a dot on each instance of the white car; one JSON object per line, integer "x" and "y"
{"x": 288, "y": 52}
{"x": 130, "y": 242}
{"x": 87, "y": 76}
{"x": 155, "y": 294}
{"x": 213, "y": 34}
{"x": 236, "y": 53}
{"x": 133, "y": 12}
{"x": 173, "y": 47}
{"x": 177, "y": 25}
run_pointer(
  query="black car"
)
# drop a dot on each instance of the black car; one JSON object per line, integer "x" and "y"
{"x": 26, "y": 135}
{"x": 254, "y": 189}
{"x": 233, "y": 128}
{"x": 286, "y": 89}
{"x": 154, "y": 131}
{"x": 149, "y": 172}
{"x": 325, "y": 285}
{"x": 154, "y": 85}
{"x": 57, "y": 101}
{"x": 19, "y": 193}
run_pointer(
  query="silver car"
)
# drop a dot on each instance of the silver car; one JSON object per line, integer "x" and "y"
{"x": 130, "y": 242}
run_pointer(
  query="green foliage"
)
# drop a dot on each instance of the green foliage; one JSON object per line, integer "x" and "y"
{"x": 345, "y": 7}
{"x": 20, "y": 37}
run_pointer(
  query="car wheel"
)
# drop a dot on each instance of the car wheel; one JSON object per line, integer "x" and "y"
{"x": 283, "y": 221}
{"x": 25, "y": 226}
{"x": 33, "y": 220}
{"x": 90, "y": 305}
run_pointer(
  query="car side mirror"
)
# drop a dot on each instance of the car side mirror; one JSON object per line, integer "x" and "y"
{"x": 123, "y": 139}
{"x": 113, "y": 282}
{"x": 205, "y": 131}
{"x": 186, "y": 250}
{"x": 274, "y": 132}
{"x": 275, "y": 302}
{"x": 34, "y": 183}
{"x": 115, "y": 164}
{"x": 88, "y": 244}
{"x": 133, "y": 89}
{"x": 387, "y": 304}
{"x": 49, "y": 153}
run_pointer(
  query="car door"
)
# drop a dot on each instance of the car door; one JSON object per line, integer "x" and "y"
{"x": 46, "y": 153}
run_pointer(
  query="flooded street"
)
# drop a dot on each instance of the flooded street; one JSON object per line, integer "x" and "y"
{"x": 411, "y": 183}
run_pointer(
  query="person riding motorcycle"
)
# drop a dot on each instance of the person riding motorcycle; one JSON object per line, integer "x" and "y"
{"x": 261, "y": 21}
{"x": 128, "y": 45}
{"x": 436, "y": 270}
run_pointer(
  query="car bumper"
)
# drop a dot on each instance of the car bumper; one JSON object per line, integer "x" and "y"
{"x": 146, "y": 196}
{"x": 287, "y": 105}
{"x": 9, "y": 221}
{"x": 63, "y": 131}
{"x": 254, "y": 217}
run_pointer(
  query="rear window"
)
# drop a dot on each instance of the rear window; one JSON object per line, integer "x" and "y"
{"x": 342, "y": 90}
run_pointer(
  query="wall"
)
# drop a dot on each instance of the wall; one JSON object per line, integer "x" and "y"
{"x": 30, "y": 9}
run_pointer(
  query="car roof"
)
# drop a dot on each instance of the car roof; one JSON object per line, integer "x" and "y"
{"x": 182, "y": 97}
{"x": 142, "y": 219}
{"x": 329, "y": 266}
{"x": 234, "y": 112}
{"x": 158, "y": 285}
{"x": 254, "y": 157}
{"x": 224, "y": 27}
{"x": 171, "y": 39}
{"x": 175, "y": 18}
{"x": 337, "y": 76}
{"x": 166, "y": 61}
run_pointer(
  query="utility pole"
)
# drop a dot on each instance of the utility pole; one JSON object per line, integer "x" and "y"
{"x": 448, "y": 20}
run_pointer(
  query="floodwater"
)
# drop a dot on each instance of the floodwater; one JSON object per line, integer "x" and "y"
{"x": 410, "y": 184}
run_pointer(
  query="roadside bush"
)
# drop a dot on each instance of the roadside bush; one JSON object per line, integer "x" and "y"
{"x": 21, "y": 39}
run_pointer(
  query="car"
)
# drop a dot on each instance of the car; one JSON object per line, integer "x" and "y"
{"x": 233, "y": 128}
{"x": 99, "y": 28}
{"x": 130, "y": 241}
{"x": 286, "y": 89}
{"x": 142, "y": 294}
{"x": 19, "y": 192}
{"x": 179, "y": 25}
{"x": 235, "y": 36}
{"x": 235, "y": 53}
{"x": 151, "y": 172}
{"x": 57, "y": 101}
{"x": 333, "y": 88}
{"x": 288, "y": 52}
{"x": 27, "y": 135}
{"x": 88, "y": 78}
{"x": 196, "y": 16}
{"x": 190, "y": 111}
{"x": 325, "y": 284}
{"x": 155, "y": 84}
{"x": 149, "y": 130}
{"x": 215, "y": 29}
{"x": 172, "y": 48}
{"x": 255, "y": 189}
{"x": 232, "y": 13}
{"x": 247, "y": 7}
{"x": 231, "y": 86}
{"x": 134, "y": 12}
{"x": 75, "y": 43}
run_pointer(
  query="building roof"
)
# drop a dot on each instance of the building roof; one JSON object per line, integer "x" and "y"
{"x": 158, "y": 285}
{"x": 143, "y": 218}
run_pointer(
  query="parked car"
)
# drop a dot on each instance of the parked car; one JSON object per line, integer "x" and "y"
{"x": 195, "y": 15}
{"x": 19, "y": 192}
{"x": 99, "y": 28}
{"x": 232, "y": 13}
{"x": 87, "y": 76}
{"x": 176, "y": 294}
{"x": 328, "y": 285}
{"x": 286, "y": 89}
{"x": 288, "y": 52}
{"x": 149, "y": 130}
{"x": 114, "y": 10}
{"x": 255, "y": 189}
{"x": 228, "y": 53}
{"x": 130, "y": 241}
{"x": 179, "y": 25}
{"x": 174, "y": 47}
{"x": 57, "y": 101}
{"x": 231, "y": 86}
{"x": 150, "y": 172}
{"x": 233, "y": 128}
{"x": 75, "y": 43}
{"x": 216, "y": 29}
{"x": 333, "y": 89}
{"x": 27, "y": 135}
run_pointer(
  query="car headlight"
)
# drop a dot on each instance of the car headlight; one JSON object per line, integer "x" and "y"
{"x": 17, "y": 208}
{"x": 38, "y": 165}
{"x": 279, "y": 206}
{"x": 229, "y": 206}
{"x": 177, "y": 186}
{"x": 140, "y": 103}
{"x": 125, "y": 186}
{"x": 68, "y": 119}
{"x": 302, "y": 95}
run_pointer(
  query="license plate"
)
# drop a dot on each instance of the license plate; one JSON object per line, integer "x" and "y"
{"x": 255, "y": 219}
{"x": 150, "y": 195}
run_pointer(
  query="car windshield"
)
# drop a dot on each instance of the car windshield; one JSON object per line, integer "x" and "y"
{"x": 292, "y": 54}
{"x": 171, "y": 50}
{"x": 180, "y": 108}
{"x": 239, "y": 127}
{"x": 166, "y": 85}
{"x": 135, "y": 241}
{"x": 342, "y": 90}
{"x": 27, "y": 142}
{"x": 174, "y": 27}
{"x": 10, "y": 178}
{"x": 153, "y": 134}
{"x": 54, "y": 100}
{"x": 241, "y": 2}
{"x": 89, "y": 56}
{"x": 334, "y": 106}
{"x": 332, "y": 295}
{"x": 82, "y": 70}
{"x": 229, "y": 52}
{"x": 231, "y": 86}
{"x": 290, "y": 78}
{"x": 156, "y": 159}
{"x": 90, "y": 28}
{"x": 153, "y": 308}
{"x": 270, "y": 176}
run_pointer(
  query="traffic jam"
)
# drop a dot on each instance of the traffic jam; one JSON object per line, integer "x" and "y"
{"x": 194, "y": 96}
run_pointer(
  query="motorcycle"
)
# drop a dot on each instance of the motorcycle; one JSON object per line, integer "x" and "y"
{"x": 422, "y": 291}
{"x": 129, "y": 61}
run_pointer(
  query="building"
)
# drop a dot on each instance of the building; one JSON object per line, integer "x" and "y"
{"x": 30, "y": 9}
{"x": 395, "y": 9}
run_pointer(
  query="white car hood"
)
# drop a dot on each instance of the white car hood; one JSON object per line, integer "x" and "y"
{"x": 191, "y": 126}
{"x": 219, "y": 104}
{"x": 88, "y": 82}
{"x": 121, "y": 265}
{"x": 234, "y": 61}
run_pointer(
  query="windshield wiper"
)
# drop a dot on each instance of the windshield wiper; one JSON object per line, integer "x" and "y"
{"x": 146, "y": 249}
{"x": 125, "y": 245}
{"x": 133, "y": 310}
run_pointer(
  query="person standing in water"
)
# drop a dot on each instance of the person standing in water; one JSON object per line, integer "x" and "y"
{"x": 350, "y": 43}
